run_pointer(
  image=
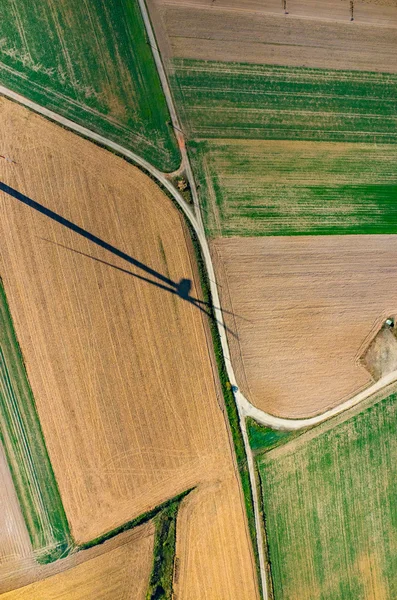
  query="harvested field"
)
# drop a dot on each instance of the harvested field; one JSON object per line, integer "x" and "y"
{"x": 313, "y": 34}
{"x": 100, "y": 259}
{"x": 259, "y": 187}
{"x": 236, "y": 100}
{"x": 121, "y": 573}
{"x": 329, "y": 502}
{"x": 209, "y": 521}
{"x": 91, "y": 63}
{"x": 305, "y": 310}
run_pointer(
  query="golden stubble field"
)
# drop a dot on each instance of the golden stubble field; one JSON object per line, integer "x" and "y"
{"x": 313, "y": 34}
{"x": 119, "y": 573}
{"x": 120, "y": 367}
{"x": 305, "y": 309}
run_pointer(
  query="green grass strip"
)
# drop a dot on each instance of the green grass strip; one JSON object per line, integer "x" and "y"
{"x": 263, "y": 439}
{"x": 161, "y": 578}
{"x": 26, "y": 452}
{"x": 237, "y": 100}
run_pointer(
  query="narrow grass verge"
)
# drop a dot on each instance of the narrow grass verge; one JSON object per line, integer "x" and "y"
{"x": 161, "y": 578}
{"x": 26, "y": 452}
{"x": 263, "y": 439}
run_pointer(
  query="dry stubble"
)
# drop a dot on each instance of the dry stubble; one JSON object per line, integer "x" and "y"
{"x": 121, "y": 573}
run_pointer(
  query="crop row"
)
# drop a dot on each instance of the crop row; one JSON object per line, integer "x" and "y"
{"x": 295, "y": 188}
{"x": 250, "y": 101}
{"x": 329, "y": 501}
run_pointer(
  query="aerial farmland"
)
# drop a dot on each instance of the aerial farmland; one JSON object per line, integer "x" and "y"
{"x": 198, "y": 306}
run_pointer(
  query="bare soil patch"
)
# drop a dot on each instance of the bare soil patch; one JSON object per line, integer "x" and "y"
{"x": 313, "y": 34}
{"x": 380, "y": 358}
{"x": 305, "y": 310}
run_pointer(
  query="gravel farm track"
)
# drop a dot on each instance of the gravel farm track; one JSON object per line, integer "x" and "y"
{"x": 244, "y": 407}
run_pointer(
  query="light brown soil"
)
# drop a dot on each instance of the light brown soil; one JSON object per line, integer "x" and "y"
{"x": 305, "y": 310}
{"x": 120, "y": 368}
{"x": 313, "y": 34}
{"x": 121, "y": 573}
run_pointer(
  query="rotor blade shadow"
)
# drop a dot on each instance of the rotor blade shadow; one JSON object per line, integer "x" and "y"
{"x": 189, "y": 298}
{"x": 181, "y": 288}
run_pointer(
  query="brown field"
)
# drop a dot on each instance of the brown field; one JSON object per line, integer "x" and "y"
{"x": 120, "y": 573}
{"x": 305, "y": 310}
{"x": 313, "y": 34}
{"x": 120, "y": 368}
{"x": 209, "y": 522}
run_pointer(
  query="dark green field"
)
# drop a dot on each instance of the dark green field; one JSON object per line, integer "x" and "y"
{"x": 236, "y": 100}
{"x": 254, "y": 187}
{"x": 330, "y": 508}
{"x": 21, "y": 435}
{"x": 90, "y": 62}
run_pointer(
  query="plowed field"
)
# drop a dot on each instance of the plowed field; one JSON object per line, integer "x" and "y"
{"x": 304, "y": 310}
{"x": 313, "y": 34}
{"x": 15, "y": 545}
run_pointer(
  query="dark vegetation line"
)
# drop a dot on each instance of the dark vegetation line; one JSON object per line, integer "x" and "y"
{"x": 162, "y": 576}
{"x": 26, "y": 452}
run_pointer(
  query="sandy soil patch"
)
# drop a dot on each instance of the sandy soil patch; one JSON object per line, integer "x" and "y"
{"x": 306, "y": 308}
{"x": 313, "y": 34}
{"x": 121, "y": 573}
{"x": 120, "y": 367}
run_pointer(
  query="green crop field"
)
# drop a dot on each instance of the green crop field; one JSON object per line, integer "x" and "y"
{"x": 255, "y": 187}
{"x": 234, "y": 100}
{"x": 21, "y": 435}
{"x": 90, "y": 62}
{"x": 329, "y": 499}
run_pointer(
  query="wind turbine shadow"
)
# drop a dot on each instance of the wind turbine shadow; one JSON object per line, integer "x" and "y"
{"x": 181, "y": 289}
